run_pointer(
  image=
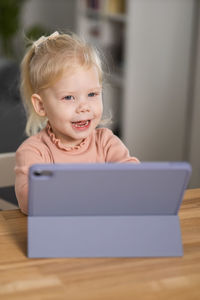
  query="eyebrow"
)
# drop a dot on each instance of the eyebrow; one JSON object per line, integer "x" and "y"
{"x": 95, "y": 88}
{"x": 74, "y": 92}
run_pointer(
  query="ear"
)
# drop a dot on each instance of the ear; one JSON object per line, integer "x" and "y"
{"x": 38, "y": 105}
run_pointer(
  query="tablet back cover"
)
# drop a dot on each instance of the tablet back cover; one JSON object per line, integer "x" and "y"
{"x": 107, "y": 189}
{"x": 111, "y": 210}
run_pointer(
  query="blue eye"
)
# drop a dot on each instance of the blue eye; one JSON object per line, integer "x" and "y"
{"x": 92, "y": 94}
{"x": 69, "y": 97}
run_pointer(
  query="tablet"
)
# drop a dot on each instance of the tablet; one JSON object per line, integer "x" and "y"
{"x": 112, "y": 209}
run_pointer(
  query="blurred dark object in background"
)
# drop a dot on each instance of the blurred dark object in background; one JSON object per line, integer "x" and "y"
{"x": 12, "y": 116}
{"x": 9, "y": 24}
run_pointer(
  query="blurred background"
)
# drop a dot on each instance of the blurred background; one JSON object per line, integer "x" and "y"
{"x": 152, "y": 69}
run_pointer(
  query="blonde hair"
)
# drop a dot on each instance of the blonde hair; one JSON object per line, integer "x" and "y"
{"x": 44, "y": 63}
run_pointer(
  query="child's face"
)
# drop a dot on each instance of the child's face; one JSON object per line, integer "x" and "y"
{"x": 73, "y": 105}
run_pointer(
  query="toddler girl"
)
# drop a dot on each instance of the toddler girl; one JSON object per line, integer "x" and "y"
{"x": 61, "y": 87}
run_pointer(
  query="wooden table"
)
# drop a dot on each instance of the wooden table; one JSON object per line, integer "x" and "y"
{"x": 100, "y": 278}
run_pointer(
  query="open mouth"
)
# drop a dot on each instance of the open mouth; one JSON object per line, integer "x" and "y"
{"x": 81, "y": 124}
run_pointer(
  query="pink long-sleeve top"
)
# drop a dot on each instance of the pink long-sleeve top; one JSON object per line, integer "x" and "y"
{"x": 101, "y": 146}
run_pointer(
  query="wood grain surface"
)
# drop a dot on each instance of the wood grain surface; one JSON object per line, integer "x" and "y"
{"x": 100, "y": 278}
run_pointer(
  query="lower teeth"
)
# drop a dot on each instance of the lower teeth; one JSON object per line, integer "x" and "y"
{"x": 81, "y": 125}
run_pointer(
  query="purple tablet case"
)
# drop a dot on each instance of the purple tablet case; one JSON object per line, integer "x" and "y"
{"x": 106, "y": 210}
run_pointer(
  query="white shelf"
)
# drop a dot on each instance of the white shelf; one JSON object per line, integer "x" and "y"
{"x": 117, "y": 80}
{"x": 105, "y": 29}
{"x": 90, "y": 12}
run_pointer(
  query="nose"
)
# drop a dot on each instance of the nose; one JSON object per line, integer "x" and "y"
{"x": 83, "y": 106}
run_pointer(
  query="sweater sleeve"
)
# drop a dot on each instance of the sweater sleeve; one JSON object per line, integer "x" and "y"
{"x": 26, "y": 156}
{"x": 114, "y": 149}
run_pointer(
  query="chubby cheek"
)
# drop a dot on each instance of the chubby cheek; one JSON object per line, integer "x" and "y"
{"x": 99, "y": 109}
{"x": 57, "y": 117}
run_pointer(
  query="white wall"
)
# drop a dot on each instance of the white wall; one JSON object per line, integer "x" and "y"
{"x": 194, "y": 156}
{"x": 158, "y": 66}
